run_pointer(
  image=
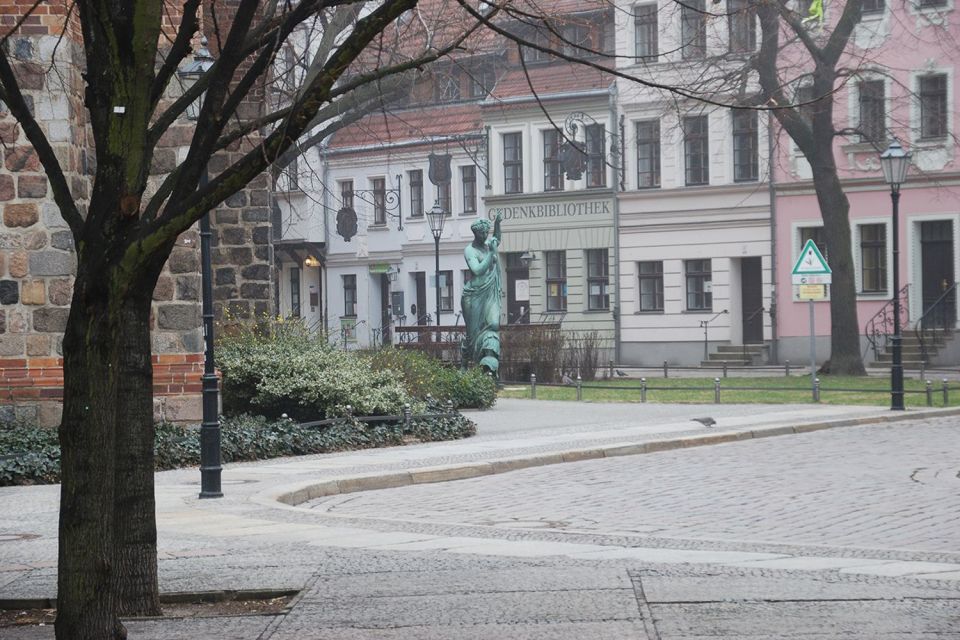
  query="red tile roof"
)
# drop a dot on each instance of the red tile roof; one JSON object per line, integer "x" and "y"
{"x": 410, "y": 125}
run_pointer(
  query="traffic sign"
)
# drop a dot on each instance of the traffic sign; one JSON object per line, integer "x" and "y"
{"x": 811, "y": 267}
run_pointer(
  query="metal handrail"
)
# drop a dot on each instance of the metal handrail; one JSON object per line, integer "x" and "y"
{"x": 927, "y": 334}
{"x": 743, "y": 346}
{"x": 881, "y": 324}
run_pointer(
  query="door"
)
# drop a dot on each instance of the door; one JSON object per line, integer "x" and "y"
{"x": 518, "y": 290}
{"x": 936, "y": 257}
{"x": 384, "y": 309}
{"x": 751, "y": 300}
{"x": 420, "y": 310}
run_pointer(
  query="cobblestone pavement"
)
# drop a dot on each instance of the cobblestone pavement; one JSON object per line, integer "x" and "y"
{"x": 882, "y": 487}
{"x": 847, "y": 533}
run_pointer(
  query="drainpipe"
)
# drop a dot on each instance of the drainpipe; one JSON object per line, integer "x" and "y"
{"x": 772, "y": 189}
{"x": 618, "y": 166}
{"x": 326, "y": 235}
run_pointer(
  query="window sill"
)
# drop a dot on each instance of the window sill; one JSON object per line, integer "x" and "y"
{"x": 873, "y": 295}
{"x": 377, "y": 227}
{"x": 697, "y": 312}
{"x": 353, "y": 317}
{"x": 655, "y": 312}
{"x": 597, "y": 311}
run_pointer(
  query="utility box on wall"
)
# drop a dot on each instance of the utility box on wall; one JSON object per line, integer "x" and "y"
{"x": 396, "y": 303}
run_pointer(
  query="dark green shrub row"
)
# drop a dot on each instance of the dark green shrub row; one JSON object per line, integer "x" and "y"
{"x": 424, "y": 375}
{"x": 242, "y": 438}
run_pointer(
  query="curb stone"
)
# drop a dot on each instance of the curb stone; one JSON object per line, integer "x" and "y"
{"x": 292, "y": 496}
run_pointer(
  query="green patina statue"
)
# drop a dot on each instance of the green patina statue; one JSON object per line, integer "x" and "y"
{"x": 481, "y": 298}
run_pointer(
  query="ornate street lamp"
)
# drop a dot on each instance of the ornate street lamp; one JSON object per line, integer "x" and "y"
{"x": 436, "y": 218}
{"x": 210, "y": 469}
{"x": 895, "y": 162}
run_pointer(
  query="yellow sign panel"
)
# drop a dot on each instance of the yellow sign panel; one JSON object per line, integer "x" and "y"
{"x": 812, "y": 291}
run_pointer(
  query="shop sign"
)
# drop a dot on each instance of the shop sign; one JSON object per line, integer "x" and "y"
{"x": 552, "y": 210}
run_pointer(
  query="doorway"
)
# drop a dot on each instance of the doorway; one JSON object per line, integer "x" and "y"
{"x": 518, "y": 290}
{"x": 936, "y": 274}
{"x": 384, "y": 309}
{"x": 751, "y": 300}
{"x": 419, "y": 310}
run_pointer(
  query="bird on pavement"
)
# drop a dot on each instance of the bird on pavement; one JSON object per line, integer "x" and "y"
{"x": 621, "y": 374}
{"x": 707, "y": 422}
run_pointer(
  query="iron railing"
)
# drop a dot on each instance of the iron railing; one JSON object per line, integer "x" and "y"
{"x": 879, "y": 328}
{"x": 936, "y": 320}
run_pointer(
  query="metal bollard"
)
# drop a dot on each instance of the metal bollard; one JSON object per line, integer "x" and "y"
{"x": 611, "y": 369}
{"x": 643, "y": 389}
{"x": 724, "y": 368}
{"x": 816, "y": 389}
{"x": 946, "y": 394}
{"x": 929, "y": 393}
{"x": 665, "y": 369}
{"x": 407, "y": 413}
{"x": 450, "y": 406}
{"x": 349, "y": 411}
{"x": 786, "y": 368}
{"x": 923, "y": 370}
{"x": 716, "y": 390}
{"x": 533, "y": 386}
{"x": 579, "y": 388}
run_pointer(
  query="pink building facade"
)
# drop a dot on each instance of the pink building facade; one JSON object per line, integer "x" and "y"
{"x": 903, "y": 85}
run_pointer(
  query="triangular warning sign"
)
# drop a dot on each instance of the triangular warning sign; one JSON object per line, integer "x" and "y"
{"x": 811, "y": 261}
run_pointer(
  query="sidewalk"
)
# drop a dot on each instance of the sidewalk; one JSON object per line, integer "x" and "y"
{"x": 263, "y": 535}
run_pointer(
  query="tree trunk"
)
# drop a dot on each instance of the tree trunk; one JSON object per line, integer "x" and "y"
{"x": 845, "y": 356}
{"x": 86, "y": 597}
{"x": 135, "y": 553}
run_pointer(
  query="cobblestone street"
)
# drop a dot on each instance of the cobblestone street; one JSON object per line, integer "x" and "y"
{"x": 843, "y": 532}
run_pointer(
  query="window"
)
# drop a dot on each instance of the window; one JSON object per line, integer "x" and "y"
{"x": 295, "y": 292}
{"x": 481, "y": 81}
{"x": 556, "y": 280}
{"x": 539, "y": 37}
{"x": 819, "y": 238}
{"x": 699, "y": 285}
{"x": 443, "y": 197}
{"x": 872, "y": 111}
{"x": 924, "y": 4}
{"x": 552, "y": 170}
{"x": 467, "y": 276}
{"x": 596, "y": 156}
{"x": 933, "y": 106}
{"x": 512, "y": 163}
{"x": 379, "y": 186}
{"x": 350, "y": 295}
{"x": 805, "y": 100}
{"x": 598, "y": 279}
{"x": 873, "y": 6}
{"x": 468, "y": 179}
{"x": 346, "y": 193}
{"x": 745, "y": 143}
{"x": 646, "y": 34}
{"x": 446, "y": 291}
{"x": 448, "y": 86}
{"x": 651, "y": 285}
{"x": 873, "y": 258}
{"x": 693, "y": 32}
{"x": 577, "y": 41}
{"x": 416, "y": 192}
{"x": 648, "y": 154}
{"x": 742, "y": 25}
{"x": 696, "y": 150}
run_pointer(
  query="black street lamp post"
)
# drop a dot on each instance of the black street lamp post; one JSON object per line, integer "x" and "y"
{"x": 436, "y": 217}
{"x": 895, "y": 162}
{"x": 210, "y": 468}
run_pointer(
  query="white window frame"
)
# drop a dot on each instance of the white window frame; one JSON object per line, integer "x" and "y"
{"x": 855, "y": 236}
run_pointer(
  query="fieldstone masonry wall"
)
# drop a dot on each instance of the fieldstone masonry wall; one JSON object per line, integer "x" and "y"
{"x": 37, "y": 257}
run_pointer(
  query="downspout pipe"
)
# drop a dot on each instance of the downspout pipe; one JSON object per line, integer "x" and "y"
{"x": 618, "y": 165}
{"x": 325, "y": 162}
{"x": 772, "y": 190}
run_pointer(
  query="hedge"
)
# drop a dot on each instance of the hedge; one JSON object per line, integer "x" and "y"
{"x": 243, "y": 438}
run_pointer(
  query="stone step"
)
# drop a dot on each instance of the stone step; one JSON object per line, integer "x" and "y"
{"x": 736, "y": 348}
{"x": 715, "y": 364}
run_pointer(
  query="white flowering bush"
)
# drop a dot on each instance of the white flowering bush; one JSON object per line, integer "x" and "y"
{"x": 279, "y": 369}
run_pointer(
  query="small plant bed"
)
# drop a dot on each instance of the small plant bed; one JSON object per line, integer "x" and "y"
{"x": 175, "y": 605}
{"x": 849, "y": 390}
{"x": 31, "y": 454}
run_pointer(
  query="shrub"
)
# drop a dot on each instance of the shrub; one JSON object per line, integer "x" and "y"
{"x": 243, "y": 438}
{"x": 532, "y": 349}
{"x": 424, "y": 374}
{"x": 280, "y": 369}
{"x": 581, "y": 354}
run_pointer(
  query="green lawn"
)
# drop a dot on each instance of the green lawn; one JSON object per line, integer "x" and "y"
{"x": 775, "y": 390}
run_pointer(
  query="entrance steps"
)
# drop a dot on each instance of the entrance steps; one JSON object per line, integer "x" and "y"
{"x": 737, "y": 355}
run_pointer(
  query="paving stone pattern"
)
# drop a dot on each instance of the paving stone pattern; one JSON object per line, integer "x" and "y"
{"x": 891, "y": 487}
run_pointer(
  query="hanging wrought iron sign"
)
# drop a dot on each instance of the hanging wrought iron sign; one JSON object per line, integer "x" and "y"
{"x": 573, "y": 159}
{"x": 439, "y": 172}
{"x": 387, "y": 200}
{"x": 347, "y": 223}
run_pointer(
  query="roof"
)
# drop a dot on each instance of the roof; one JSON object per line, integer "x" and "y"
{"x": 553, "y": 78}
{"x": 410, "y": 125}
